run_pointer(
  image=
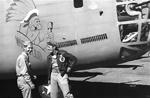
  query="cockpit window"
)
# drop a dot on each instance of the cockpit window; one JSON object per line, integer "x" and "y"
{"x": 128, "y": 32}
{"x": 145, "y": 31}
{"x": 145, "y": 10}
{"x": 133, "y": 18}
{"x": 123, "y": 15}
{"x": 127, "y": 12}
{"x": 78, "y": 3}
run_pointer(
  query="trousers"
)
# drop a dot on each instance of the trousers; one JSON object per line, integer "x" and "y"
{"x": 24, "y": 87}
{"x": 57, "y": 81}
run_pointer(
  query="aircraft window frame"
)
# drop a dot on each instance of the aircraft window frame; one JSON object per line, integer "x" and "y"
{"x": 125, "y": 13}
{"x": 145, "y": 31}
{"x": 128, "y": 32}
{"x": 122, "y": 14}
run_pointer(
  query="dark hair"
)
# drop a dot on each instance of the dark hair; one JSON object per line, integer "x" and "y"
{"x": 52, "y": 53}
{"x": 26, "y": 43}
{"x": 52, "y": 44}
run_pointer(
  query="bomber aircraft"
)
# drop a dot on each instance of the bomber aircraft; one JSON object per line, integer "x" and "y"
{"x": 94, "y": 31}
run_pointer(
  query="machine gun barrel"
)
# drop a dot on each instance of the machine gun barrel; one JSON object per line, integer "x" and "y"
{"x": 140, "y": 4}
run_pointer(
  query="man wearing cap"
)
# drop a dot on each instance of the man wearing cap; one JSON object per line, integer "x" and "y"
{"x": 60, "y": 63}
{"x": 24, "y": 71}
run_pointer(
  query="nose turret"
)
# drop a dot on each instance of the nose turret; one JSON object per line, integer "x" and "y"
{"x": 134, "y": 27}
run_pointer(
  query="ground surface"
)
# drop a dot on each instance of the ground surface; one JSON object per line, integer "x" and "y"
{"x": 127, "y": 80}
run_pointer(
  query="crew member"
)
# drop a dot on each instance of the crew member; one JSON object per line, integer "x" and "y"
{"x": 24, "y": 71}
{"x": 60, "y": 63}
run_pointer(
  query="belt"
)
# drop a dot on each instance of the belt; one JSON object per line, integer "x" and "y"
{"x": 55, "y": 70}
{"x": 22, "y": 75}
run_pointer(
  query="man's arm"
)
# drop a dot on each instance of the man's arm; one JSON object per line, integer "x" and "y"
{"x": 49, "y": 67}
{"x": 25, "y": 72}
{"x": 30, "y": 71}
{"x": 22, "y": 66}
{"x": 73, "y": 60}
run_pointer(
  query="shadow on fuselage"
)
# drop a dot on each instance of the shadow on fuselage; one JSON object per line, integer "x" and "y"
{"x": 104, "y": 64}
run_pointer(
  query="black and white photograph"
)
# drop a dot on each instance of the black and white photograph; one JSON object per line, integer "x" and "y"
{"x": 74, "y": 48}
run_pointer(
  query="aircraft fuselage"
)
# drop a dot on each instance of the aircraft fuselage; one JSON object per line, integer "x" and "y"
{"x": 96, "y": 31}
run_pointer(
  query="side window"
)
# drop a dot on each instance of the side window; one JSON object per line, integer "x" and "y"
{"x": 128, "y": 32}
{"x": 145, "y": 11}
{"x": 123, "y": 15}
{"x": 78, "y": 3}
{"x": 145, "y": 31}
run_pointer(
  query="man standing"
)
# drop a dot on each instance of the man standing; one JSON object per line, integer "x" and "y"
{"x": 24, "y": 72}
{"x": 60, "y": 63}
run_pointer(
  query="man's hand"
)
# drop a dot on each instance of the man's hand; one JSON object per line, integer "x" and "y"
{"x": 65, "y": 76}
{"x": 49, "y": 81}
{"x": 31, "y": 84}
{"x": 68, "y": 69}
{"x": 34, "y": 77}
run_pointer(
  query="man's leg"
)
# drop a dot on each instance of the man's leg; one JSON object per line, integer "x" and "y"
{"x": 26, "y": 91}
{"x": 54, "y": 86}
{"x": 24, "y": 87}
{"x": 63, "y": 84}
